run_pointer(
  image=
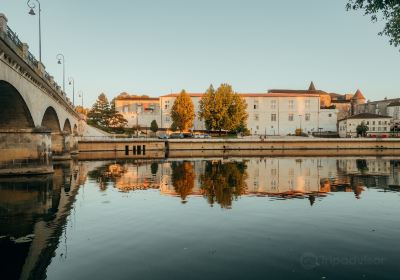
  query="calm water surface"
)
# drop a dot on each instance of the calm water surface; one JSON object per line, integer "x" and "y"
{"x": 255, "y": 218}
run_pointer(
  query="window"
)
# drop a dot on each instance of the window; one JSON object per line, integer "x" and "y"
{"x": 256, "y": 117}
{"x": 273, "y": 172}
{"x": 125, "y": 109}
{"x": 308, "y": 117}
{"x": 167, "y": 119}
{"x": 291, "y": 117}
{"x": 255, "y": 106}
{"x": 373, "y": 122}
{"x": 307, "y": 104}
{"x": 273, "y": 104}
{"x": 379, "y": 122}
{"x": 330, "y": 115}
{"x": 273, "y": 117}
{"x": 257, "y": 127}
{"x": 291, "y": 104}
{"x": 373, "y": 128}
{"x": 367, "y": 122}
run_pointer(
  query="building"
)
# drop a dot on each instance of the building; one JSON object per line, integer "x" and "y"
{"x": 269, "y": 113}
{"x": 344, "y": 103}
{"x": 378, "y": 126}
{"x": 276, "y": 112}
{"x": 379, "y": 107}
{"x": 138, "y": 110}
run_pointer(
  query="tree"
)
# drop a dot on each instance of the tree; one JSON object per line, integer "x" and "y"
{"x": 115, "y": 120}
{"x": 154, "y": 126}
{"x": 81, "y": 110}
{"x": 97, "y": 116}
{"x": 105, "y": 116}
{"x": 182, "y": 112}
{"x": 387, "y": 10}
{"x": 223, "y": 109}
{"x": 362, "y": 129}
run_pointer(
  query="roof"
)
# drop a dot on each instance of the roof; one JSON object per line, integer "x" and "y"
{"x": 277, "y": 94}
{"x": 394, "y": 104}
{"x": 358, "y": 95}
{"x": 312, "y": 86}
{"x": 367, "y": 116}
{"x": 126, "y": 96}
{"x": 292, "y": 91}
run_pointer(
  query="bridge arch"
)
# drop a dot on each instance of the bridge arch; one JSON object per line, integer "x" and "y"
{"x": 67, "y": 127}
{"x": 50, "y": 120}
{"x": 14, "y": 112}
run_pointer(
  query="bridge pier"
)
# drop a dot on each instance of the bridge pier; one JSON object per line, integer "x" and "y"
{"x": 25, "y": 151}
{"x": 63, "y": 145}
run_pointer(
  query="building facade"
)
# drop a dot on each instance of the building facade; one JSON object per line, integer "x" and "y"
{"x": 138, "y": 110}
{"x": 378, "y": 126}
{"x": 379, "y": 107}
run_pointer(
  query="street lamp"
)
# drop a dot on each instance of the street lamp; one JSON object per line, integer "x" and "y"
{"x": 72, "y": 82}
{"x": 300, "y": 123}
{"x": 80, "y": 95}
{"x": 60, "y": 57}
{"x": 137, "y": 119}
{"x": 32, "y": 6}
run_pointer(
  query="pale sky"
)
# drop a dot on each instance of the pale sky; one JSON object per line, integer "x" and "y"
{"x": 157, "y": 46}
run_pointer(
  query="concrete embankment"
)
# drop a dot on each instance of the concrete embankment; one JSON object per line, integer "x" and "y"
{"x": 154, "y": 148}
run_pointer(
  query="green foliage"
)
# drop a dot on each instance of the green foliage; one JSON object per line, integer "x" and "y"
{"x": 154, "y": 126}
{"x": 103, "y": 115}
{"x": 362, "y": 129}
{"x": 223, "y": 182}
{"x": 182, "y": 112}
{"x": 387, "y": 10}
{"x": 223, "y": 109}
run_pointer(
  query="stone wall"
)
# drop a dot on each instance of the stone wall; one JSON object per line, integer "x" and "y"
{"x": 25, "y": 149}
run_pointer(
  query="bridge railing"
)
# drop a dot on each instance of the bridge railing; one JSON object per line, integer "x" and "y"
{"x": 12, "y": 40}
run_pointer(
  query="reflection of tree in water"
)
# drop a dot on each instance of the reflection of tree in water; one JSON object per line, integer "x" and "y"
{"x": 183, "y": 178}
{"x": 106, "y": 174}
{"x": 224, "y": 182}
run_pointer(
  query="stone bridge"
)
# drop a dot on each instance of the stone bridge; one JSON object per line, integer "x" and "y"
{"x": 37, "y": 120}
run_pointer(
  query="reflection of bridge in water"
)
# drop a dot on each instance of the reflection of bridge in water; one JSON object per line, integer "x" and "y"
{"x": 33, "y": 214}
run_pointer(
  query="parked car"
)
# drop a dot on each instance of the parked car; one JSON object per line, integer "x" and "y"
{"x": 207, "y": 136}
{"x": 188, "y": 135}
{"x": 176, "y": 136}
{"x": 163, "y": 136}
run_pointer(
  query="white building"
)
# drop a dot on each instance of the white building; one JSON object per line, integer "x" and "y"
{"x": 269, "y": 113}
{"x": 138, "y": 110}
{"x": 377, "y": 125}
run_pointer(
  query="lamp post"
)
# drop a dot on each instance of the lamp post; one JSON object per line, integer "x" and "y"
{"x": 32, "y": 6}
{"x": 80, "y": 95}
{"x": 60, "y": 57}
{"x": 301, "y": 131}
{"x": 137, "y": 119}
{"x": 72, "y": 82}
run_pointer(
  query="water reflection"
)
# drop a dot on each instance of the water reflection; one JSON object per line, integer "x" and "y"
{"x": 35, "y": 211}
{"x": 222, "y": 181}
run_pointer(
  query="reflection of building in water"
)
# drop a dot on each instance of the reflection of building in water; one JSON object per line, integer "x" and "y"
{"x": 287, "y": 176}
{"x": 140, "y": 176}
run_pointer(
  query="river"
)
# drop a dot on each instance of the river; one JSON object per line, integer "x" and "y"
{"x": 219, "y": 218}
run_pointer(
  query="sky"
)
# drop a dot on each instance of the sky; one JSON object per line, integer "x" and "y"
{"x": 155, "y": 47}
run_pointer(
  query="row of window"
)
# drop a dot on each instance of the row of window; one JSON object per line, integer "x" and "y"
{"x": 291, "y": 104}
{"x": 307, "y": 117}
